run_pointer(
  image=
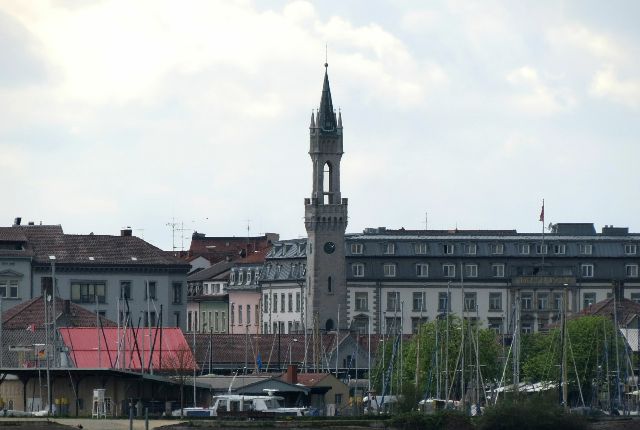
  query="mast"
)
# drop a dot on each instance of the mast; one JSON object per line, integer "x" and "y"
{"x": 565, "y": 392}
{"x": 462, "y": 400}
{"x": 446, "y": 346}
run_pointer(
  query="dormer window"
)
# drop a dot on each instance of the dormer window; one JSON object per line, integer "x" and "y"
{"x": 497, "y": 248}
{"x": 420, "y": 248}
{"x": 559, "y": 248}
{"x": 630, "y": 249}
{"x": 357, "y": 248}
{"x": 470, "y": 248}
{"x": 448, "y": 248}
{"x": 240, "y": 277}
{"x": 389, "y": 248}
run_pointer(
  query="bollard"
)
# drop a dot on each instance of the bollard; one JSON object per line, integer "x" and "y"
{"x": 146, "y": 418}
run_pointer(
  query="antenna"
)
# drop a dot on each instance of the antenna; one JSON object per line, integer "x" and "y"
{"x": 177, "y": 226}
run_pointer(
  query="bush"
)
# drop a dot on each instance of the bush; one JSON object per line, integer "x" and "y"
{"x": 445, "y": 420}
{"x": 529, "y": 415}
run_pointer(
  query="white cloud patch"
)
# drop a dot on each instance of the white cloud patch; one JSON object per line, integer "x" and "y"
{"x": 537, "y": 96}
{"x": 607, "y": 84}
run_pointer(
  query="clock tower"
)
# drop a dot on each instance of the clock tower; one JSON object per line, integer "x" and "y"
{"x": 325, "y": 218}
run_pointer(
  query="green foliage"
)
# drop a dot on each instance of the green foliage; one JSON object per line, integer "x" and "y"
{"x": 444, "y": 420}
{"x": 418, "y": 354}
{"x": 529, "y": 415}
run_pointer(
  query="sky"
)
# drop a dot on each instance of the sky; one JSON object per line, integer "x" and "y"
{"x": 195, "y": 113}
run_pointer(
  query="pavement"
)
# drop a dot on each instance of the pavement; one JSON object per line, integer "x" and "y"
{"x": 93, "y": 424}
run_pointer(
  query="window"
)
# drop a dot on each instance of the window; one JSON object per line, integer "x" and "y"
{"x": 232, "y": 278}
{"x": 543, "y": 301}
{"x": 82, "y": 292}
{"x": 282, "y": 302}
{"x": 150, "y": 290}
{"x": 362, "y": 301}
{"x": 525, "y": 301}
{"x": 631, "y": 270}
{"x": 495, "y": 301}
{"x": 239, "y": 314}
{"x": 497, "y": 248}
{"x": 176, "y": 319}
{"x": 630, "y": 249}
{"x": 586, "y": 270}
{"x": 393, "y": 301}
{"x": 303, "y": 270}
{"x": 232, "y": 313}
{"x": 422, "y": 270}
{"x": 289, "y": 327}
{"x": 471, "y": 270}
{"x": 265, "y": 303}
{"x": 559, "y": 248}
{"x": 449, "y": 270}
{"x": 541, "y": 249}
{"x": 297, "y": 302}
{"x": 420, "y": 248}
{"x": 524, "y": 248}
{"x": 470, "y": 248}
{"x": 329, "y": 286}
{"x": 448, "y": 248}
{"x": 588, "y": 299}
{"x": 150, "y": 319}
{"x": 9, "y": 288}
{"x": 248, "y": 314}
{"x": 585, "y": 249}
{"x": 393, "y": 325}
{"x": 357, "y": 248}
{"x": 526, "y": 328}
{"x": 416, "y": 323}
{"x": 240, "y": 278}
{"x": 249, "y": 275}
{"x": 275, "y": 303}
{"x": 470, "y": 300}
{"x": 290, "y": 302}
{"x": 495, "y": 325}
{"x": 389, "y": 248}
{"x": 177, "y": 292}
{"x": 444, "y": 302}
{"x": 125, "y": 290}
{"x": 389, "y": 270}
{"x": 557, "y": 301}
{"x": 419, "y": 303}
{"x": 357, "y": 270}
{"x": 497, "y": 270}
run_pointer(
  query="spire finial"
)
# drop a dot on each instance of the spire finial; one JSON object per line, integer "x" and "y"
{"x": 326, "y": 56}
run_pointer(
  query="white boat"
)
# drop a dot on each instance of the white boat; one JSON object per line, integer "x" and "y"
{"x": 238, "y": 404}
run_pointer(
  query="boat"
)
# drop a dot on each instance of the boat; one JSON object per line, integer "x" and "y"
{"x": 238, "y": 405}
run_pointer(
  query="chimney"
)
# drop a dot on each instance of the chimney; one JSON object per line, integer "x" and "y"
{"x": 126, "y": 231}
{"x": 292, "y": 374}
{"x": 17, "y": 221}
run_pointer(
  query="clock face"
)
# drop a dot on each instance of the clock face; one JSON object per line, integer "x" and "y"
{"x": 329, "y": 247}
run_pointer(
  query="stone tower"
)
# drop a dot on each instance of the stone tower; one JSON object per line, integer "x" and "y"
{"x": 325, "y": 218}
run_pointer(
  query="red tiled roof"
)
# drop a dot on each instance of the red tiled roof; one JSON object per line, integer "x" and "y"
{"x": 83, "y": 348}
{"x": 255, "y": 257}
{"x": 32, "y": 312}
{"x": 12, "y": 234}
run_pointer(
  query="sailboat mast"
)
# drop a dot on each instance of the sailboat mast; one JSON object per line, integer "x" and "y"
{"x": 565, "y": 392}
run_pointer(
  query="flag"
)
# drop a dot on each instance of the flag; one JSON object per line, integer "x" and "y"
{"x": 31, "y": 328}
{"x": 542, "y": 212}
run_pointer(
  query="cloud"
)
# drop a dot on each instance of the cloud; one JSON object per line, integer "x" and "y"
{"x": 606, "y": 84}
{"x": 537, "y": 96}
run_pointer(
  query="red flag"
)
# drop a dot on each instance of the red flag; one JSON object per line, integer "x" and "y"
{"x": 542, "y": 212}
{"x": 31, "y": 328}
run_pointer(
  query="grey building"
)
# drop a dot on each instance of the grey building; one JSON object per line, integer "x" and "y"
{"x": 112, "y": 275}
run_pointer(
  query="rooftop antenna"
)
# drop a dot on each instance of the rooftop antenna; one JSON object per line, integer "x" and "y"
{"x": 426, "y": 220}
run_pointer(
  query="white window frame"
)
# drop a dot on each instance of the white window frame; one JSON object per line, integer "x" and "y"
{"x": 471, "y": 270}
{"x": 630, "y": 249}
{"x": 389, "y": 270}
{"x": 449, "y": 270}
{"x": 470, "y": 298}
{"x": 542, "y": 249}
{"x": 389, "y": 248}
{"x": 448, "y": 248}
{"x": 420, "y": 248}
{"x": 357, "y": 270}
{"x": 497, "y": 270}
{"x": 559, "y": 249}
{"x": 422, "y": 270}
{"x": 9, "y": 286}
{"x": 586, "y": 270}
{"x": 493, "y": 296}
{"x": 524, "y": 248}
{"x": 360, "y": 298}
{"x": 585, "y": 248}
{"x": 240, "y": 278}
{"x": 631, "y": 270}
{"x": 470, "y": 248}
{"x": 357, "y": 248}
{"x": 497, "y": 248}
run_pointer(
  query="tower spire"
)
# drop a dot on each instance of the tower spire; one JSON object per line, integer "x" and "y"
{"x": 326, "y": 115}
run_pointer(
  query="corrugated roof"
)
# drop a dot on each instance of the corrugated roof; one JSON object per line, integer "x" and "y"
{"x": 83, "y": 348}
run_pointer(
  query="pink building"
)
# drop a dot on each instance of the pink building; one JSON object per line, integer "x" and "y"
{"x": 244, "y": 294}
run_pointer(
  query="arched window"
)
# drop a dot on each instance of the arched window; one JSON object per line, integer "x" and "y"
{"x": 329, "y": 325}
{"x": 327, "y": 185}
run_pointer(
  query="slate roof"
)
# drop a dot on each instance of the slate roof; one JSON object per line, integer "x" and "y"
{"x": 229, "y": 349}
{"x": 12, "y": 234}
{"x": 210, "y": 272}
{"x": 93, "y": 249}
{"x": 32, "y": 312}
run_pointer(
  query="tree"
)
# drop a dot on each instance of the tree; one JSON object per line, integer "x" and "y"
{"x": 181, "y": 362}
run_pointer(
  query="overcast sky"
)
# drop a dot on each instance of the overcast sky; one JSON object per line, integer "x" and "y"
{"x": 137, "y": 113}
